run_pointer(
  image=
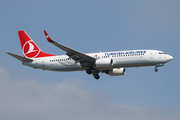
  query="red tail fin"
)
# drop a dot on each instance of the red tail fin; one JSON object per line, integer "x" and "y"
{"x": 29, "y": 48}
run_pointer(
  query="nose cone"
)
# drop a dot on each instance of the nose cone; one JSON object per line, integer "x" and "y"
{"x": 169, "y": 57}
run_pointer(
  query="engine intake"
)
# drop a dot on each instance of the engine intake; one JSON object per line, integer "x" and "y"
{"x": 117, "y": 72}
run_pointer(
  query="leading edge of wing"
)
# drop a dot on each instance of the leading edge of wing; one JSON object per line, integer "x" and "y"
{"x": 69, "y": 50}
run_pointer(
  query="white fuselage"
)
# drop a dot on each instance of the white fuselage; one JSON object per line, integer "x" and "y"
{"x": 121, "y": 59}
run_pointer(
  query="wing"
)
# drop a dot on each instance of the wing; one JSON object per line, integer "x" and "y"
{"x": 83, "y": 59}
{"x": 23, "y": 59}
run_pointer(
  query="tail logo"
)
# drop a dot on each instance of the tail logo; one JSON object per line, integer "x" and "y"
{"x": 30, "y": 50}
{"x": 47, "y": 36}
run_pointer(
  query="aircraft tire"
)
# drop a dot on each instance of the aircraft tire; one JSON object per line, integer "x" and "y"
{"x": 89, "y": 71}
{"x": 96, "y": 76}
{"x": 155, "y": 69}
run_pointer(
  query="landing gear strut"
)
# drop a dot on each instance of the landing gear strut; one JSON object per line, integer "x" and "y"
{"x": 158, "y": 65}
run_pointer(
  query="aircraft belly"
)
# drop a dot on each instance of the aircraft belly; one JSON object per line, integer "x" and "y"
{"x": 129, "y": 62}
{"x": 63, "y": 66}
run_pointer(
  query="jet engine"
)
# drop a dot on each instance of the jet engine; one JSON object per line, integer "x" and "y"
{"x": 104, "y": 63}
{"x": 116, "y": 72}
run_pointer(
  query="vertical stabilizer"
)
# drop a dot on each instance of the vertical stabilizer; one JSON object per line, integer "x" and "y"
{"x": 29, "y": 47}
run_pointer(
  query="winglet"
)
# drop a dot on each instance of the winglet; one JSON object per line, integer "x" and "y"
{"x": 48, "y": 37}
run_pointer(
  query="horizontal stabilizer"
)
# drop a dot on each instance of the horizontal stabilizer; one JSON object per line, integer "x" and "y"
{"x": 23, "y": 59}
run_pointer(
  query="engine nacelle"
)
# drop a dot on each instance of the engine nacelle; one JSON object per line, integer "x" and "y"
{"x": 117, "y": 72}
{"x": 104, "y": 63}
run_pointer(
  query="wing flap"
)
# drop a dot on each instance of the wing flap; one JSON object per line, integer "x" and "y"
{"x": 23, "y": 59}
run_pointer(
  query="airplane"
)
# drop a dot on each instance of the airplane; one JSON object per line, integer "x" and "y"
{"x": 112, "y": 63}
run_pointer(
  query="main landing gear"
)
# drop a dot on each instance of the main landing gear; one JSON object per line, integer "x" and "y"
{"x": 96, "y": 76}
{"x": 89, "y": 71}
{"x": 95, "y": 73}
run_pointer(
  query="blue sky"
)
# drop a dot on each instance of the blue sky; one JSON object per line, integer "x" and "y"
{"x": 90, "y": 26}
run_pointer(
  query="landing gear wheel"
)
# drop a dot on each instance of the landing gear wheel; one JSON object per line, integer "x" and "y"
{"x": 155, "y": 69}
{"x": 89, "y": 71}
{"x": 96, "y": 76}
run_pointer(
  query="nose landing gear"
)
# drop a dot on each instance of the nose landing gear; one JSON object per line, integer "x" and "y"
{"x": 155, "y": 69}
{"x": 158, "y": 65}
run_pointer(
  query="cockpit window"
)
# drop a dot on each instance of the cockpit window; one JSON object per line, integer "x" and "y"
{"x": 162, "y": 53}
